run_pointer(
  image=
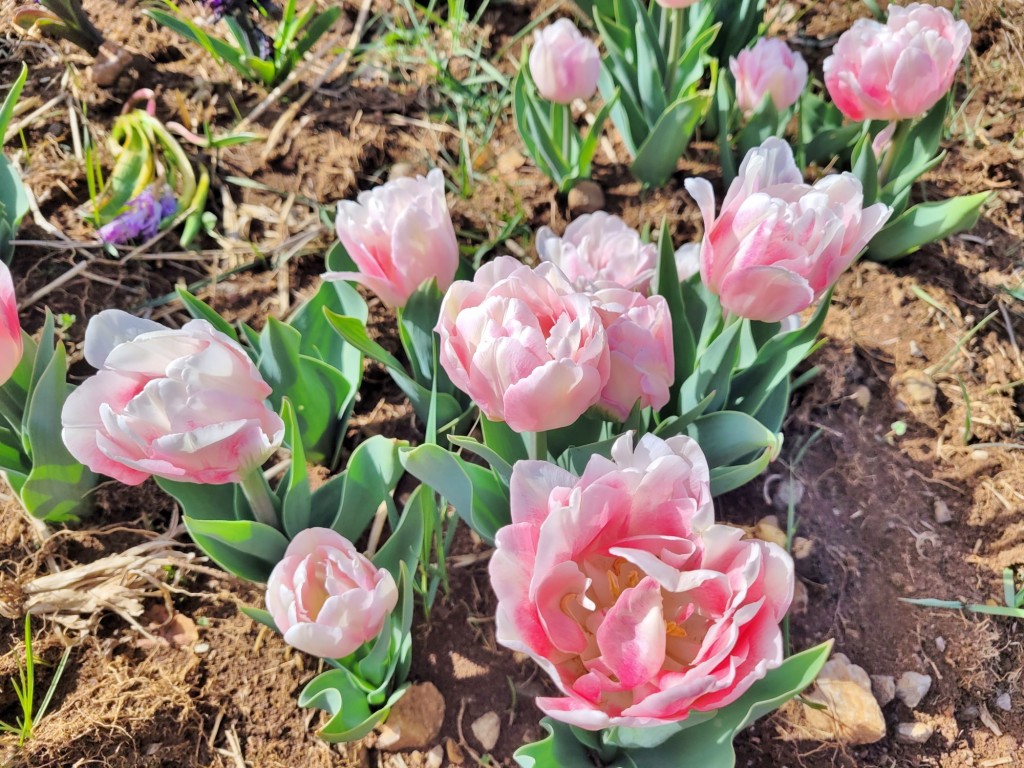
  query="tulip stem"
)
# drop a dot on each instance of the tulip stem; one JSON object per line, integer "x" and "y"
{"x": 899, "y": 138}
{"x": 567, "y": 126}
{"x": 258, "y": 494}
{"x": 537, "y": 445}
{"x": 674, "y": 49}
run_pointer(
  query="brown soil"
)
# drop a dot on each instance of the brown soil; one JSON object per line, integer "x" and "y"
{"x": 192, "y": 682}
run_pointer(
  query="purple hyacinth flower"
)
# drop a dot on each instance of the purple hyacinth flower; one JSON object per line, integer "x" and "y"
{"x": 141, "y": 217}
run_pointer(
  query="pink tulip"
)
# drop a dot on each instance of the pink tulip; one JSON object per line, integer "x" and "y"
{"x": 639, "y": 331}
{"x": 778, "y": 244}
{"x": 185, "y": 405}
{"x": 599, "y": 247}
{"x": 563, "y": 63}
{"x": 399, "y": 235}
{"x": 527, "y": 348}
{"x": 677, "y": 3}
{"x": 622, "y": 587}
{"x": 897, "y": 70}
{"x": 770, "y": 68}
{"x": 326, "y": 598}
{"x": 10, "y": 328}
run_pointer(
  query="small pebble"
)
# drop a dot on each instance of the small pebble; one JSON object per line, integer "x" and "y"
{"x": 912, "y": 687}
{"x": 979, "y": 455}
{"x": 942, "y": 514}
{"x": 884, "y": 688}
{"x": 862, "y": 397}
{"x": 586, "y": 197}
{"x": 1003, "y": 702}
{"x": 914, "y": 733}
{"x": 940, "y": 643}
{"x": 970, "y": 712}
{"x": 202, "y": 648}
{"x": 402, "y": 171}
{"x": 487, "y": 729}
{"x": 435, "y": 757}
{"x": 915, "y": 350}
{"x": 802, "y": 548}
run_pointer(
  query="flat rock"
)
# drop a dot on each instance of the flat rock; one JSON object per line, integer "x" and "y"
{"x": 415, "y": 720}
{"x": 586, "y": 197}
{"x": 487, "y": 729}
{"x": 849, "y": 712}
{"x": 914, "y": 733}
{"x": 912, "y": 687}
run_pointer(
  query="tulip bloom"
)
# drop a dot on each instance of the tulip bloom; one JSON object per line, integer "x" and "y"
{"x": 185, "y": 405}
{"x": 769, "y": 69}
{"x": 326, "y": 598}
{"x": 524, "y": 345}
{"x": 677, "y": 3}
{"x": 563, "y": 63}
{"x": 622, "y": 587}
{"x": 599, "y": 248}
{"x": 778, "y": 244}
{"x": 399, "y": 235}
{"x": 10, "y": 328}
{"x": 897, "y": 70}
{"x": 639, "y": 331}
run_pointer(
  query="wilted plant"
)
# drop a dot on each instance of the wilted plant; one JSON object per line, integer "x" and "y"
{"x": 253, "y": 53}
{"x": 62, "y": 18}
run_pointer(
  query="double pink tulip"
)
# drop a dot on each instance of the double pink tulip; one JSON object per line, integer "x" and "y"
{"x": 399, "y": 235}
{"x": 10, "y": 328}
{"x": 778, "y": 244}
{"x": 642, "y": 359}
{"x": 524, "y": 345}
{"x": 598, "y": 248}
{"x": 622, "y": 587}
{"x": 769, "y": 69}
{"x": 564, "y": 64}
{"x": 186, "y": 405}
{"x": 897, "y": 70}
{"x": 326, "y": 598}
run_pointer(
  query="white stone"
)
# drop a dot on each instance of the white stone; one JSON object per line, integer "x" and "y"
{"x": 487, "y": 729}
{"x": 912, "y": 687}
{"x": 1003, "y": 702}
{"x": 842, "y": 707}
{"x": 914, "y": 733}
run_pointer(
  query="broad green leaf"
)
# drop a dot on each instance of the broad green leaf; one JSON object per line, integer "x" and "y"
{"x": 713, "y": 372}
{"x": 496, "y": 462}
{"x": 248, "y": 549}
{"x": 13, "y": 196}
{"x": 260, "y": 616}
{"x": 296, "y": 498}
{"x": 926, "y": 223}
{"x": 865, "y": 168}
{"x": 727, "y": 436}
{"x": 504, "y": 440}
{"x": 372, "y": 473}
{"x": 402, "y": 549}
{"x": 559, "y": 749}
{"x": 200, "y": 310}
{"x": 656, "y": 158}
{"x": 666, "y": 284}
{"x": 338, "y": 692}
{"x": 416, "y": 329}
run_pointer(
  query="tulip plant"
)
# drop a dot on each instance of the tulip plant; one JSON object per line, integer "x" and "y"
{"x": 64, "y": 19}
{"x": 895, "y": 78}
{"x": 13, "y": 196}
{"x": 563, "y": 66}
{"x": 152, "y": 185}
{"x": 253, "y": 53}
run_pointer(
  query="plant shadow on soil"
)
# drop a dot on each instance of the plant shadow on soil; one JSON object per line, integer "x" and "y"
{"x": 225, "y": 696}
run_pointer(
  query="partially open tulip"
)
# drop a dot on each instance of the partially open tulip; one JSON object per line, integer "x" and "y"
{"x": 778, "y": 244}
{"x": 639, "y": 331}
{"x": 399, "y": 235}
{"x": 326, "y": 598}
{"x": 897, "y": 70}
{"x": 677, "y": 3}
{"x": 186, "y": 405}
{"x": 564, "y": 64}
{"x": 599, "y": 247}
{"x": 10, "y": 328}
{"x": 524, "y": 345}
{"x": 622, "y": 587}
{"x": 769, "y": 69}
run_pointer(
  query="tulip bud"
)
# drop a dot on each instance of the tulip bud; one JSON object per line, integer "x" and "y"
{"x": 10, "y": 328}
{"x": 769, "y": 69}
{"x": 563, "y": 63}
{"x": 326, "y": 598}
{"x": 399, "y": 235}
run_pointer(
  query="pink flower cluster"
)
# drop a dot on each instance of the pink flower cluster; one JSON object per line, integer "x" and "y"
{"x": 897, "y": 70}
{"x": 622, "y": 587}
{"x": 536, "y": 350}
{"x": 768, "y": 70}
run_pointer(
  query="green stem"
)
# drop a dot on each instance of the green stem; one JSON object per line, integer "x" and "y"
{"x": 567, "y": 127}
{"x": 674, "y": 50}
{"x": 899, "y": 138}
{"x": 537, "y": 445}
{"x": 261, "y": 502}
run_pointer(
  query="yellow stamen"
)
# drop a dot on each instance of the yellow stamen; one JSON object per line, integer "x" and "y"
{"x": 613, "y": 585}
{"x": 674, "y": 630}
{"x": 566, "y": 602}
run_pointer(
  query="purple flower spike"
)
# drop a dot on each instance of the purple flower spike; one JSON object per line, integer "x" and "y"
{"x": 141, "y": 217}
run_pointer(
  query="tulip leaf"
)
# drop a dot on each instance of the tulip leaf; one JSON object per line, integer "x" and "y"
{"x": 318, "y": 337}
{"x": 865, "y": 168}
{"x": 200, "y": 310}
{"x": 713, "y": 372}
{"x": 372, "y": 473}
{"x": 476, "y": 492}
{"x": 773, "y": 410}
{"x": 337, "y": 692}
{"x": 666, "y": 284}
{"x": 296, "y": 499}
{"x": 260, "y": 616}
{"x": 650, "y": 70}
{"x": 354, "y": 332}
{"x": 926, "y": 223}
{"x": 657, "y": 157}
{"x": 401, "y": 552}
{"x": 13, "y": 196}
{"x": 501, "y": 467}
{"x": 248, "y": 549}
{"x": 560, "y": 748}
{"x": 776, "y": 361}
{"x": 728, "y": 437}
{"x": 709, "y": 744}
{"x": 416, "y": 321}
{"x": 504, "y": 440}
{"x": 57, "y": 488}
{"x": 703, "y": 312}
